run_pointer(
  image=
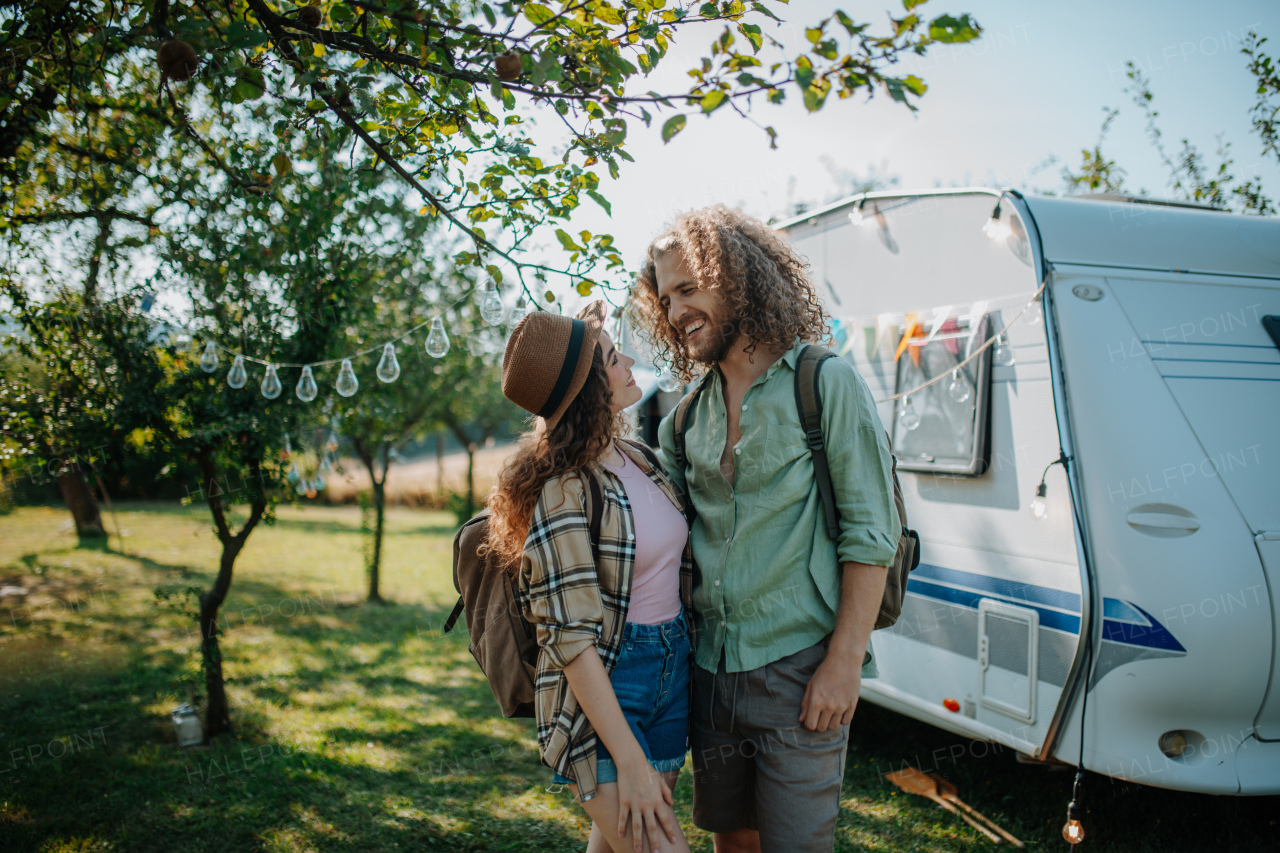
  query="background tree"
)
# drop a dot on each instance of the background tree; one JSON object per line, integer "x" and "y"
{"x": 385, "y": 415}
{"x": 85, "y": 185}
{"x": 476, "y": 410}
{"x": 1190, "y": 178}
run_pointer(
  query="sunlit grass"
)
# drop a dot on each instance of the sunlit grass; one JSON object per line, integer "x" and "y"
{"x": 362, "y": 727}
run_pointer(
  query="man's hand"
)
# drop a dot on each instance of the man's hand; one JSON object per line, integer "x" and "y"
{"x": 832, "y": 694}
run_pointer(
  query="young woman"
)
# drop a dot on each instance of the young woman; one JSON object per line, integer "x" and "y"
{"x": 612, "y": 688}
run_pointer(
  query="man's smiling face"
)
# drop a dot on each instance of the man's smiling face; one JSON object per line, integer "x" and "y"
{"x": 700, "y": 317}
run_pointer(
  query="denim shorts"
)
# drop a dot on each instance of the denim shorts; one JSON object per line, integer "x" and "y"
{"x": 651, "y": 681}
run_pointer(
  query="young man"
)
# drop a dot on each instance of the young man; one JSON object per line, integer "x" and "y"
{"x": 783, "y": 612}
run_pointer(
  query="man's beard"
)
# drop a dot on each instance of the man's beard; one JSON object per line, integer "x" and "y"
{"x": 718, "y": 337}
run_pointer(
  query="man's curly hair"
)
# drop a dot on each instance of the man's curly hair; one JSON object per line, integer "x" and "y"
{"x": 764, "y": 282}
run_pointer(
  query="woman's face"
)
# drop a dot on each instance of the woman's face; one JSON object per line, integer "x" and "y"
{"x": 622, "y": 385}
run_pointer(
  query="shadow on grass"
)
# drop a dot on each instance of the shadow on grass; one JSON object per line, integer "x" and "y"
{"x": 1031, "y": 801}
{"x": 446, "y": 774}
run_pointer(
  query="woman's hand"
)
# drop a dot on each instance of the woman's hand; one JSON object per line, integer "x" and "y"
{"x": 644, "y": 801}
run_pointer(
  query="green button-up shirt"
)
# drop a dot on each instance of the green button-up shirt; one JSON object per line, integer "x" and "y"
{"x": 770, "y": 576}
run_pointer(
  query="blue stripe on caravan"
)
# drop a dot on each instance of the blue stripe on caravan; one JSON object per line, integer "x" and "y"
{"x": 1009, "y": 589}
{"x": 1048, "y": 618}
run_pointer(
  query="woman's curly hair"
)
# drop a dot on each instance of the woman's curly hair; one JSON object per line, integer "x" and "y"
{"x": 577, "y": 442}
{"x": 762, "y": 279}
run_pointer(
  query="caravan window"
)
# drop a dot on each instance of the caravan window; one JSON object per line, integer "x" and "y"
{"x": 943, "y": 429}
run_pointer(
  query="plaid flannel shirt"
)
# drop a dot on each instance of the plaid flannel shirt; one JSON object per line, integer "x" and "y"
{"x": 575, "y": 602}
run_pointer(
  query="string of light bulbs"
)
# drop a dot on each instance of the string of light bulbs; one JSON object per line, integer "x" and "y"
{"x": 388, "y": 370}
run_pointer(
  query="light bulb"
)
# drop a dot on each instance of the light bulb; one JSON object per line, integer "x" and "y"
{"x": 855, "y": 216}
{"x": 209, "y": 358}
{"x": 1073, "y": 832}
{"x": 307, "y": 389}
{"x": 326, "y": 464}
{"x": 331, "y": 442}
{"x": 388, "y": 367}
{"x": 302, "y": 486}
{"x": 347, "y": 383}
{"x": 237, "y": 376}
{"x": 491, "y": 305}
{"x": 271, "y": 386}
{"x": 317, "y": 484}
{"x": 668, "y": 381}
{"x": 519, "y": 312}
{"x": 959, "y": 388}
{"x": 1033, "y": 313}
{"x": 1039, "y": 507}
{"x": 294, "y": 474}
{"x": 1004, "y": 352}
{"x": 908, "y": 417}
{"x": 438, "y": 340}
{"x": 996, "y": 228}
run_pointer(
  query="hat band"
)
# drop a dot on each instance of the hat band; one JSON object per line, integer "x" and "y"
{"x": 567, "y": 370}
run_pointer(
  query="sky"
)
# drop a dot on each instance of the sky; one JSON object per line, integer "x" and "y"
{"x": 1033, "y": 87}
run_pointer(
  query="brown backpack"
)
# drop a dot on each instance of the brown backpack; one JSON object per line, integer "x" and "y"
{"x": 502, "y": 640}
{"x": 809, "y": 405}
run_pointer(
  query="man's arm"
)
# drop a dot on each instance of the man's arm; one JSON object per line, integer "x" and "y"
{"x": 832, "y": 694}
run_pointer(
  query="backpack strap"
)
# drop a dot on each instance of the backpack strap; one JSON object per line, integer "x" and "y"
{"x": 679, "y": 423}
{"x": 595, "y": 509}
{"x": 453, "y": 616}
{"x": 809, "y": 405}
{"x": 646, "y": 451}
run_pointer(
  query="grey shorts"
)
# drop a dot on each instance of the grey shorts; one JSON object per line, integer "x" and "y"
{"x": 755, "y": 766}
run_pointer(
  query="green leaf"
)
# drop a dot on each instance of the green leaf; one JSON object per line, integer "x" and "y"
{"x": 584, "y": 286}
{"x": 489, "y": 16}
{"x": 712, "y": 99}
{"x": 827, "y": 49}
{"x": 673, "y": 125}
{"x": 537, "y": 13}
{"x": 804, "y": 76}
{"x": 251, "y": 84}
{"x": 898, "y": 91}
{"x": 608, "y": 14}
{"x": 601, "y": 200}
{"x": 752, "y": 34}
{"x": 764, "y": 10}
{"x": 281, "y": 163}
{"x": 915, "y": 84}
{"x": 911, "y": 4}
{"x": 813, "y": 34}
{"x": 814, "y": 99}
{"x": 709, "y": 10}
{"x": 566, "y": 241}
{"x": 548, "y": 297}
{"x": 847, "y": 23}
{"x": 953, "y": 30}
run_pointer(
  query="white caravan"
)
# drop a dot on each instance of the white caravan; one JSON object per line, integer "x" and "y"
{"x": 1151, "y": 558}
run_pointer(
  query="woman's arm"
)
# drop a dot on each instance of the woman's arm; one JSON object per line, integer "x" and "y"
{"x": 643, "y": 798}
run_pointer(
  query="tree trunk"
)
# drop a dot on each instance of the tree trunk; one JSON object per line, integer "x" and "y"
{"x": 84, "y": 509}
{"x": 217, "y": 714}
{"x": 379, "y": 515}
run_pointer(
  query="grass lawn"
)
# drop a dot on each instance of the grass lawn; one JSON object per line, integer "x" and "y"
{"x": 363, "y": 727}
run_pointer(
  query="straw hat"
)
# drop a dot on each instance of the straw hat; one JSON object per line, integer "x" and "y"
{"x": 547, "y": 360}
